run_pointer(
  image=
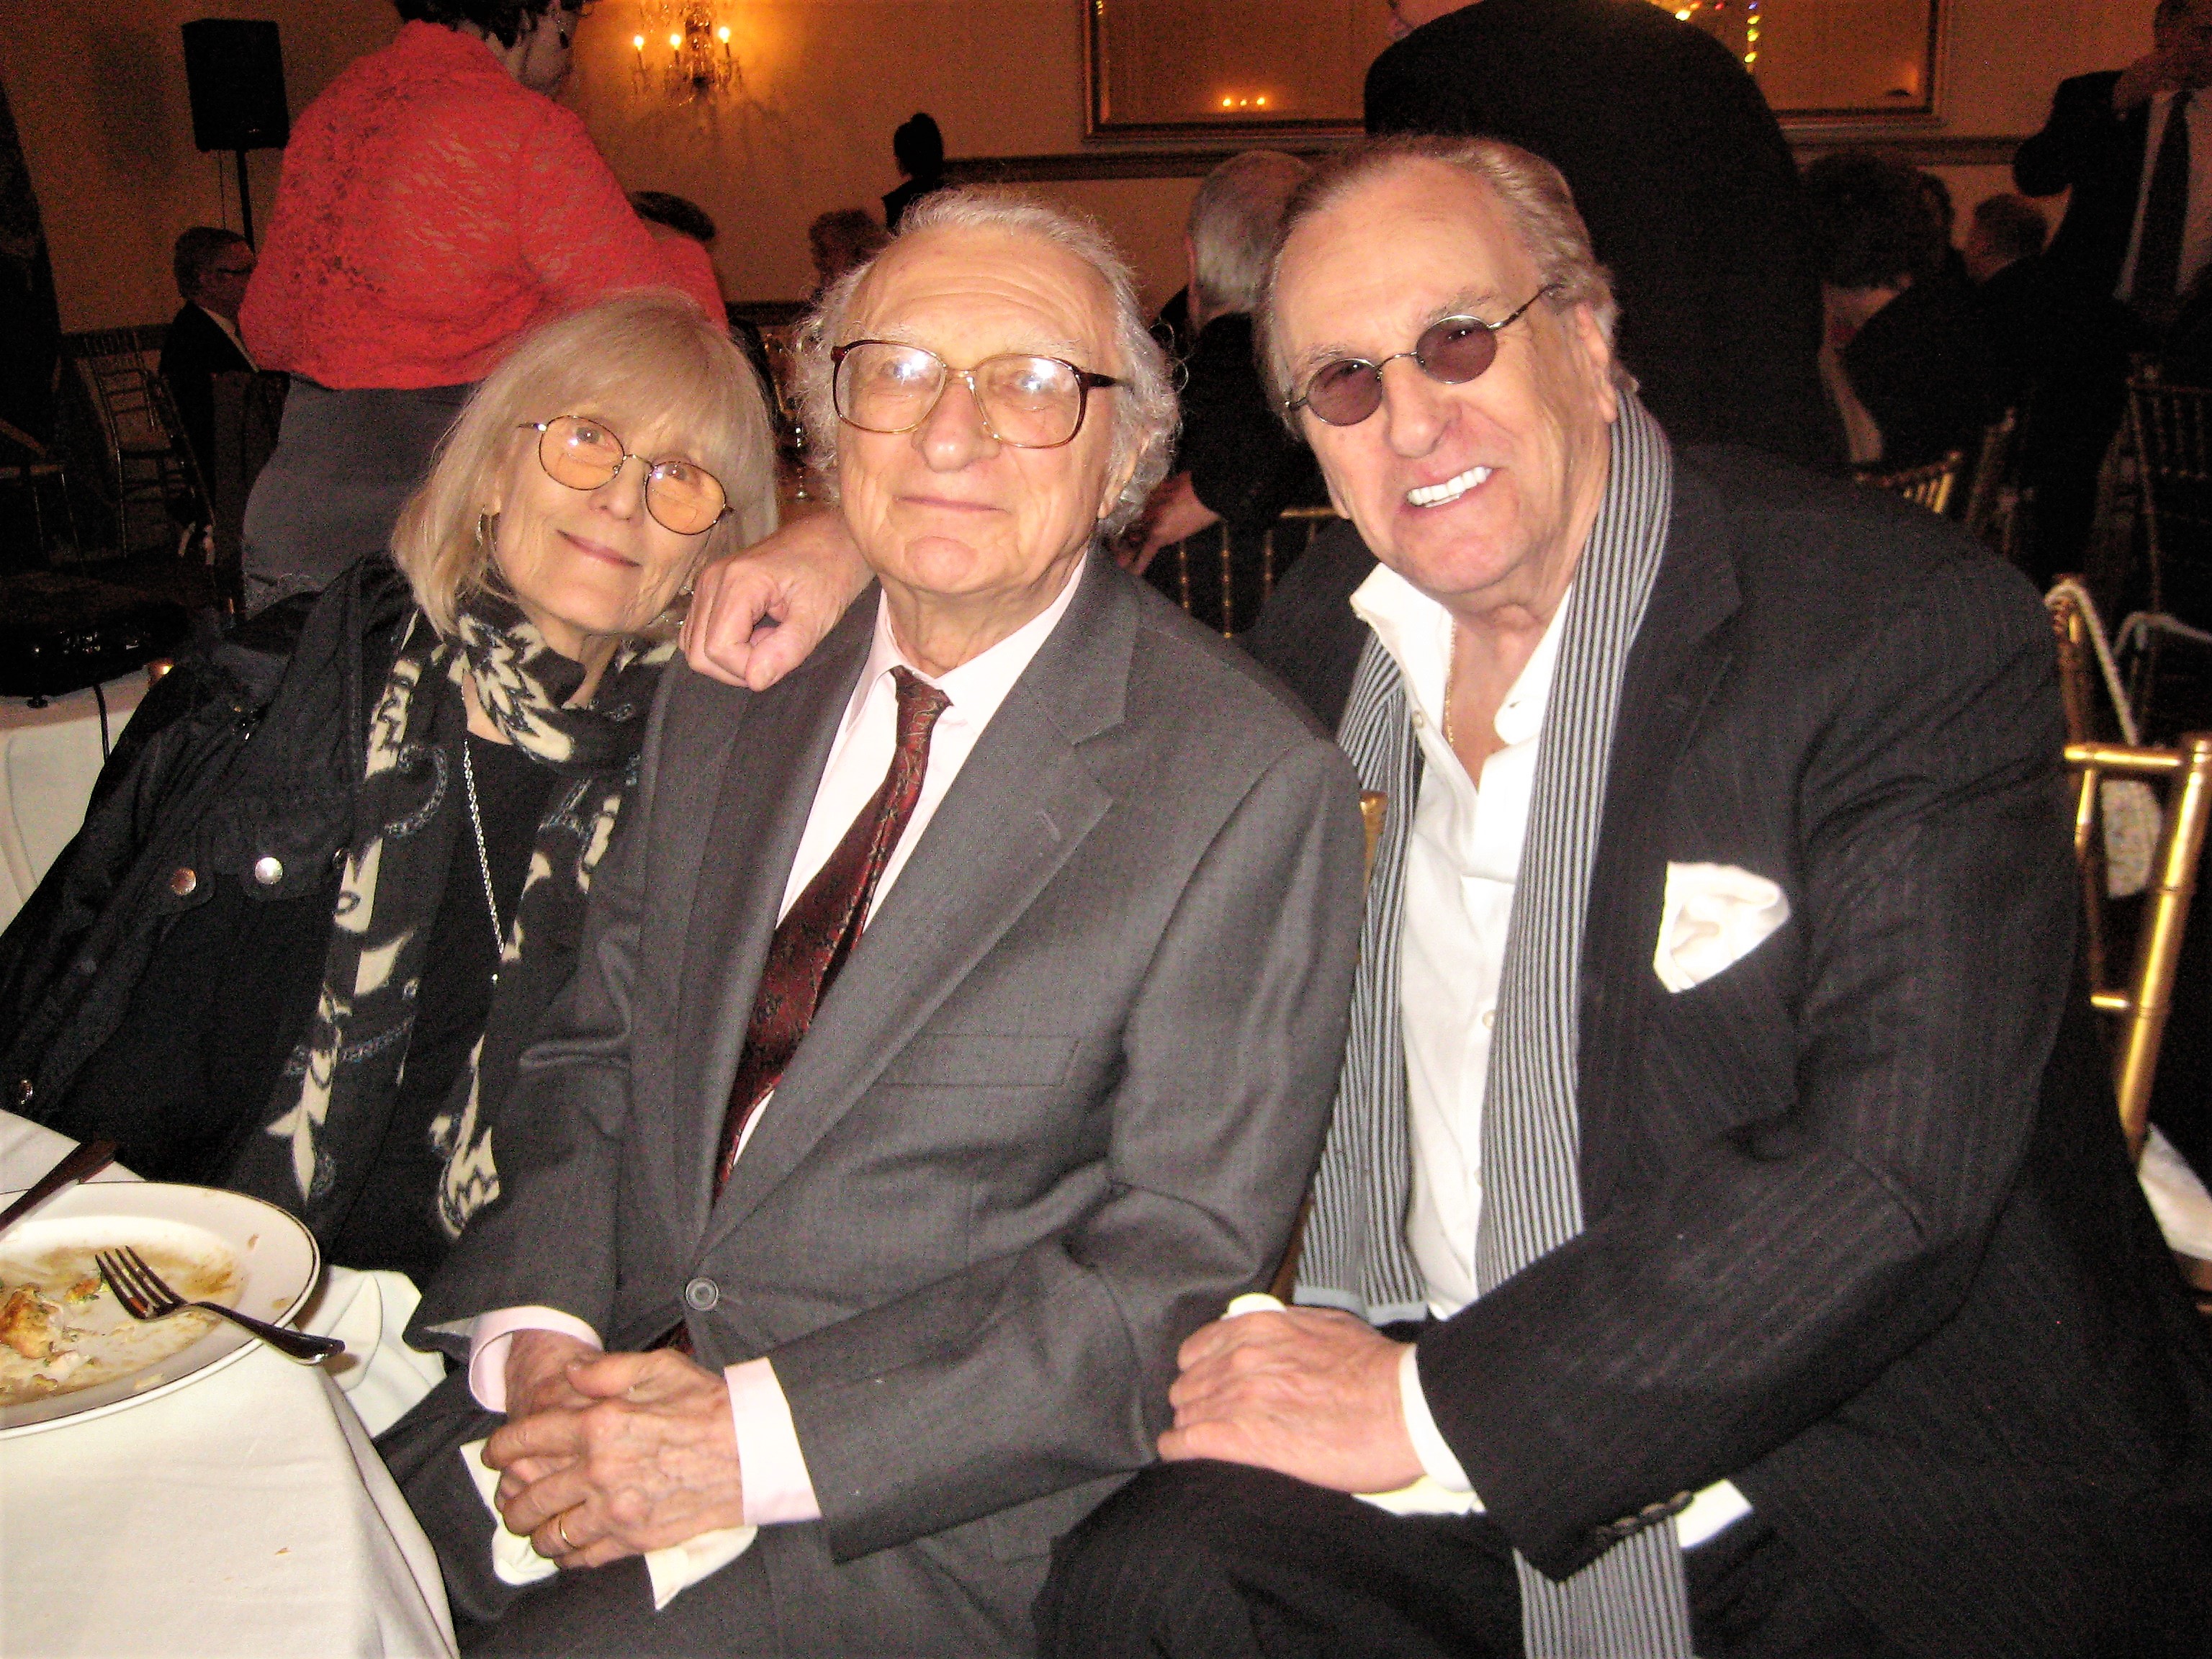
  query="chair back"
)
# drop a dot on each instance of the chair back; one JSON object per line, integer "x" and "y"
{"x": 2140, "y": 1002}
{"x": 1931, "y": 486}
{"x": 1290, "y": 534}
{"x": 120, "y": 374}
{"x": 1993, "y": 498}
{"x": 2171, "y": 428}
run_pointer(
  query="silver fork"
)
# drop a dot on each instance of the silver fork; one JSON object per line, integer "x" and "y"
{"x": 145, "y": 1296}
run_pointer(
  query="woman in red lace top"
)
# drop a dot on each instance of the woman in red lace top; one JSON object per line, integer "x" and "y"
{"x": 436, "y": 205}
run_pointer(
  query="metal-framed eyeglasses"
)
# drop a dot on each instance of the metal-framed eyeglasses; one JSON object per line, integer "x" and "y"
{"x": 583, "y": 454}
{"x": 1030, "y": 403}
{"x": 1453, "y": 350}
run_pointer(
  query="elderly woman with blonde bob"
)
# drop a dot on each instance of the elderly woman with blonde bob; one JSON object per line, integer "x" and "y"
{"x": 320, "y": 902}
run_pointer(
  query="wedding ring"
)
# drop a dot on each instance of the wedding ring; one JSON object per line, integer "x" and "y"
{"x": 561, "y": 1530}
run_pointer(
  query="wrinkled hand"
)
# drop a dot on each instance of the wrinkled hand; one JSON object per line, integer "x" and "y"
{"x": 649, "y": 1459}
{"x": 756, "y": 613}
{"x": 538, "y": 1364}
{"x": 1308, "y": 1392}
{"x": 1174, "y": 514}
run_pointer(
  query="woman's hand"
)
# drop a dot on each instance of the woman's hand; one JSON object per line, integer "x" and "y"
{"x": 757, "y": 613}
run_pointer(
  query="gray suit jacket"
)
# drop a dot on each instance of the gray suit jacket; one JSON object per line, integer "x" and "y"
{"x": 1058, "y": 1106}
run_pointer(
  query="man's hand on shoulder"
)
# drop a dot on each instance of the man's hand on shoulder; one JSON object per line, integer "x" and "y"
{"x": 647, "y": 1458}
{"x": 1307, "y": 1392}
{"x": 756, "y": 613}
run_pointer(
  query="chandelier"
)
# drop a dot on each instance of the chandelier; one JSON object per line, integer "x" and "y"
{"x": 698, "y": 63}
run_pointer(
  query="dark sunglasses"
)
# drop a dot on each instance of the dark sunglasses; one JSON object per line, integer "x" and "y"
{"x": 1454, "y": 351}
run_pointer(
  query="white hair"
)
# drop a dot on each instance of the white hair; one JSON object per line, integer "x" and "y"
{"x": 1232, "y": 225}
{"x": 1144, "y": 411}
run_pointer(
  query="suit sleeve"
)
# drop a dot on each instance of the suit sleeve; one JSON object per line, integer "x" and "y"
{"x": 1776, "y": 1271}
{"x": 1035, "y": 1372}
{"x": 2082, "y": 123}
{"x": 549, "y": 1239}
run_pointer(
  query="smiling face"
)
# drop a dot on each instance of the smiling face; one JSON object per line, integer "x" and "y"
{"x": 588, "y": 567}
{"x": 956, "y": 523}
{"x": 1481, "y": 495}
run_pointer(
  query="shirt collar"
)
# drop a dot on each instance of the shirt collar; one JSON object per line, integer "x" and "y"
{"x": 1417, "y": 632}
{"x": 979, "y": 686}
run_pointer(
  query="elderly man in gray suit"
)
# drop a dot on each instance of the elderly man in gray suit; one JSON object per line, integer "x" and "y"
{"x": 955, "y": 1030}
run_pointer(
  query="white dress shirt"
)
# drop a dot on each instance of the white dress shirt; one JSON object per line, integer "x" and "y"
{"x": 1462, "y": 861}
{"x": 2196, "y": 231}
{"x": 777, "y": 1487}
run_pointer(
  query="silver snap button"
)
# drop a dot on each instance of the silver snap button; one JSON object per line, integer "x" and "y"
{"x": 702, "y": 1294}
{"x": 268, "y": 871}
{"x": 182, "y": 880}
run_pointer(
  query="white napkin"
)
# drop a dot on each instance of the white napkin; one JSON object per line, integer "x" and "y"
{"x": 380, "y": 1375}
{"x": 1713, "y": 916}
{"x": 2177, "y": 1197}
{"x": 673, "y": 1570}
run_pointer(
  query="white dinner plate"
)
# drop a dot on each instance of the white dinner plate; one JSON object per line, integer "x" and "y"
{"x": 275, "y": 1258}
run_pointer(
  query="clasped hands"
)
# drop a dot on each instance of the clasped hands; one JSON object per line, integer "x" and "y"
{"x": 1308, "y": 1392}
{"x": 609, "y": 1455}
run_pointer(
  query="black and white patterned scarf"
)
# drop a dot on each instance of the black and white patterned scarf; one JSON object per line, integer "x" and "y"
{"x": 333, "y": 1104}
{"x": 1629, "y": 1603}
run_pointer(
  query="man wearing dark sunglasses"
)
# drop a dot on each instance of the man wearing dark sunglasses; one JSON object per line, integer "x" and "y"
{"x": 1701, "y": 1258}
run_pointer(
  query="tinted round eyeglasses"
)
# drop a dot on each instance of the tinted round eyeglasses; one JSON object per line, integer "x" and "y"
{"x": 584, "y": 453}
{"x": 1454, "y": 350}
{"x": 1030, "y": 403}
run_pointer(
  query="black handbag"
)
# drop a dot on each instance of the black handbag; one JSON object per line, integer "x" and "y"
{"x": 61, "y": 633}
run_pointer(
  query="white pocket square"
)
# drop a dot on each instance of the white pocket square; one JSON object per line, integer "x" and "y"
{"x": 1713, "y": 915}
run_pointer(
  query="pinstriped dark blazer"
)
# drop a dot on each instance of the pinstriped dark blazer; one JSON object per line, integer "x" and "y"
{"x": 1861, "y": 1233}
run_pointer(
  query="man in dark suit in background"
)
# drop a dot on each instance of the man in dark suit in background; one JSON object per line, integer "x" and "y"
{"x": 2138, "y": 233}
{"x": 212, "y": 268}
{"x": 1725, "y": 1234}
{"x": 1680, "y": 171}
{"x": 2097, "y": 145}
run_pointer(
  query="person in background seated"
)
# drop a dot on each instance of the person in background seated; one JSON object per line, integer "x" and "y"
{"x": 436, "y": 205}
{"x": 1905, "y": 357}
{"x": 953, "y": 1031}
{"x": 318, "y": 952}
{"x": 1234, "y": 461}
{"x": 840, "y": 241}
{"x": 919, "y": 148}
{"x": 212, "y": 269}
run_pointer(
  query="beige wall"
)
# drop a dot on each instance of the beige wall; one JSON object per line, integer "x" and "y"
{"x": 99, "y": 95}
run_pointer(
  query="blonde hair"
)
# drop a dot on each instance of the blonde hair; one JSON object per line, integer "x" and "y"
{"x": 1537, "y": 204}
{"x": 646, "y": 358}
{"x": 1143, "y": 412}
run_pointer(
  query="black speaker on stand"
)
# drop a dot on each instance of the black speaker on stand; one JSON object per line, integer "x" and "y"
{"x": 235, "y": 69}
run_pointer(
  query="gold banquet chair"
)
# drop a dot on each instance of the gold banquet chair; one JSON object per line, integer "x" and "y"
{"x": 2140, "y": 1003}
{"x": 1931, "y": 486}
{"x": 1290, "y": 534}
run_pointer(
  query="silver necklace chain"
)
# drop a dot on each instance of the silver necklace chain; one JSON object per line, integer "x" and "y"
{"x": 483, "y": 859}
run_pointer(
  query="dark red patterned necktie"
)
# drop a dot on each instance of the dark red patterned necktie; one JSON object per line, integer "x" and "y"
{"x": 818, "y": 931}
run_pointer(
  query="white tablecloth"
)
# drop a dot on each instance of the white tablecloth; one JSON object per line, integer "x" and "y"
{"x": 244, "y": 1514}
{"x": 49, "y": 759}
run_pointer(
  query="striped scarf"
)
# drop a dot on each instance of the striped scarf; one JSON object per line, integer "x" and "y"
{"x": 335, "y": 1096}
{"x": 1629, "y": 1603}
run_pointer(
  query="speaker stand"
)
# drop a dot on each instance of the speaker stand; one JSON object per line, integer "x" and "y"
{"x": 244, "y": 199}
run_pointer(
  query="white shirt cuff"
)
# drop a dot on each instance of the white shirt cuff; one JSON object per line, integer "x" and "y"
{"x": 491, "y": 1335}
{"x": 1438, "y": 1459}
{"x": 778, "y": 1488}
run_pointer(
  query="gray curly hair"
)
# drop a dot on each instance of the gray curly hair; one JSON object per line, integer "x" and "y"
{"x": 1145, "y": 411}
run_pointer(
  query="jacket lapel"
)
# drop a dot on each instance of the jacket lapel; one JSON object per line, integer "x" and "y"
{"x": 1681, "y": 652}
{"x": 769, "y": 771}
{"x": 1019, "y": 808}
